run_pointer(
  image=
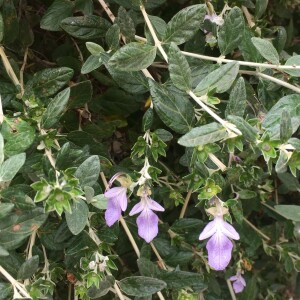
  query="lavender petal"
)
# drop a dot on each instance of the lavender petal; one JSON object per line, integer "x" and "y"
{"x": 112, "y": 213}
{"x": 208, "y": 230}
{"x": 147, "y": 223}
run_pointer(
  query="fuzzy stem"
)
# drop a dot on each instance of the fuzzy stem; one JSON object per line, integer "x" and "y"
{"x": 22, "y": 70}
{"x": 232, "y": 294}
{"x": 276, "y": 80}
{"x": 185, "y": 205}
{"x": 160, "y": 260}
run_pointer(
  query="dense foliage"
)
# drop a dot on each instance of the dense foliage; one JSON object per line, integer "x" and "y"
{"x": 149, "y": 149}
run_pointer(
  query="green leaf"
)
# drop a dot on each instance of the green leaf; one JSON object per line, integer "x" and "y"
{"x": 260, "y": 8}
{"x": 6, "y": 291}
{"x": 11, "y": 166}
{"x": 19, "y": 135}
{"x": 184, "y": 24}
{"x": 231, "y": 33}
{"x": 237, "y": 99}
{"x": 80, "y": 94}
{"x": 88, "y": 172}
{"x": 178, "y": 114}
{"x": 159, "y": 26}
{"x": 15, "y": 228}
{"x": 290, "y": 182}
{"x": 147, "y": 119}
{"x": 281, "y": 164}
{"x": 55, "y": 109}
{"x": 5, "y": 209}
{"x": 266, "y": 49}
{"x": 1, "y": 149}
{"x": 96, "y": 292}
{"x": 112, "y": 37}
{"x": 141, "y": 286}
{"x": 28, "y": 268}
{"x": 249, "y": 132}
{"x": 99, "y": 201}
{"x": 126, "y": 25}
{"x": 10, "y": 20}
{"x": 94, "y": 48}
{"x": 221, "y": 79}
{"x": 85, "y": 27}
{"x": 203, "y": 135}
{"x": 133, "y": 57}
{"x": 59, "y": 10}
{"x": 281, "y": 37}
{"x": 290, "y": 212}
{"x": 1, "y": 28}
{"x": 48, "y": 82}
{"x": 92, "y": 63}
{"x": 294, "y": 60}
{"x": 251, "y": 291}
{"x": 290, "y": 103}
{"x": 77, "y": 220}
{"x": 3, "y": 252}
{"x": 285, "y": 126}
{"x": 180, "y": 71}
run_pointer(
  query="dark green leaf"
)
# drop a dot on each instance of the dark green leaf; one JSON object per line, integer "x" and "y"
{"x": 164, "y": 135}
{"x": 1, "y": 28}
{"x": 15, "y": 228}
{"x": 28, "y": 268}
{"x": 88, "y": 172}
{"x": 5, "y": 209}
{"x": 97, "y": 292}
{"x": 133, "y": 57}
{"x": 11, "y": 166}
{"x": 249, "y": 132}
{"x": 290, "y": 103}
{"x": 260, "y": 8}
{"x": 77, "y": 220}
{"x": 231, "y": 33}
{"x": 92, "y": 63}
{"x": 126, "y": 25}
{"x": 280, "y": 41}
{"x": 220, "y": 79}
{"x": 184, "y": 24}
{"x": 81, "y": 93}
{"x": 1, "y": 149}
{"x": 203, "y": 135}
{"x": 237, "y": 99}
{"x": 48, "y": 82}
{"x": 281, "y": 164}
{"x": 285, "y": 126}
{"x": 85, "y": 27}
{"x": 290, "y": 182}
{"x": 59, "y": 10}
{"x": 6, "y": 291}
{"x": 180, "y": 71}
{"x": 147, "y": 119}
{"x": 178, "y": 114}
{"x": 55, "y": 109}
{"x": 141, "y": 286}
{"x": 266, "y": 49}
{"x": 10, "y": 20}
{"x": 290, "y": 212}
{"x": 112, "y": 37}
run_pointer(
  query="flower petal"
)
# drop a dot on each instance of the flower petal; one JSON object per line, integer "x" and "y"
{"x": 118, "y": 193}
{"x": 208, "y": 230}
{"x": 147, "y": 223}
{"x": 219, "y": 249}
{"x": 112, "y": 213}
{"x": 153, "y": 205}
{"x": 137, "y": 208}
{"x": 238, "y": 286}
{"x": 229, "y": 231}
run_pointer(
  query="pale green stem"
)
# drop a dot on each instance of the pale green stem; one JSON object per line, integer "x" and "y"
{"x": 231, "y": 291}
{"x": 185, "y": 204}
{"x": 256, "y": 229}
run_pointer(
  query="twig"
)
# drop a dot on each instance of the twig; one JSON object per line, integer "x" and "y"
{"x": 1, "y": 112}
{"x": 22, "y": 70}
{"x": 185, "y": 205}
{"x": 248, "y": 16}
{"x": 256, "y": 229}
{"x": 268, "y": 77}
{"x": 160, "y": 260}
{"x": 107, "y": 10}
{"x": 15, "y": 283}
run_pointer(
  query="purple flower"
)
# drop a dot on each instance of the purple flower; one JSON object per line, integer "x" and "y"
{"x": 219, "y": 246}
{"x": 214, "y": 18}
{"x": 147, "y": 221}
{"x": 117, "y": 202}
{"x": 239, "y": 282}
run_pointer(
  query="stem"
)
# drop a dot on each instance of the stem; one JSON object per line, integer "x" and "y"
{"x": 152, "y": 31}
{"x": 214, "y": 115}
{"x": 160, "y": 260}
{"x": 276, "y": 80}
{"x": 1, "y": 112}
{"x": 256, "y": 229}
{"x": 130, "y": 237}
{"x": 231, "y": 291}
{"x": 107, "y": 10}
{"x": 14, "y": 282}
{"x": 217, "y": 162}
{"x": 9, "y": 68}
{"x": 185, "y": 205}
{"x": 248, "y": 16}
{"x": 22, "y": 71}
